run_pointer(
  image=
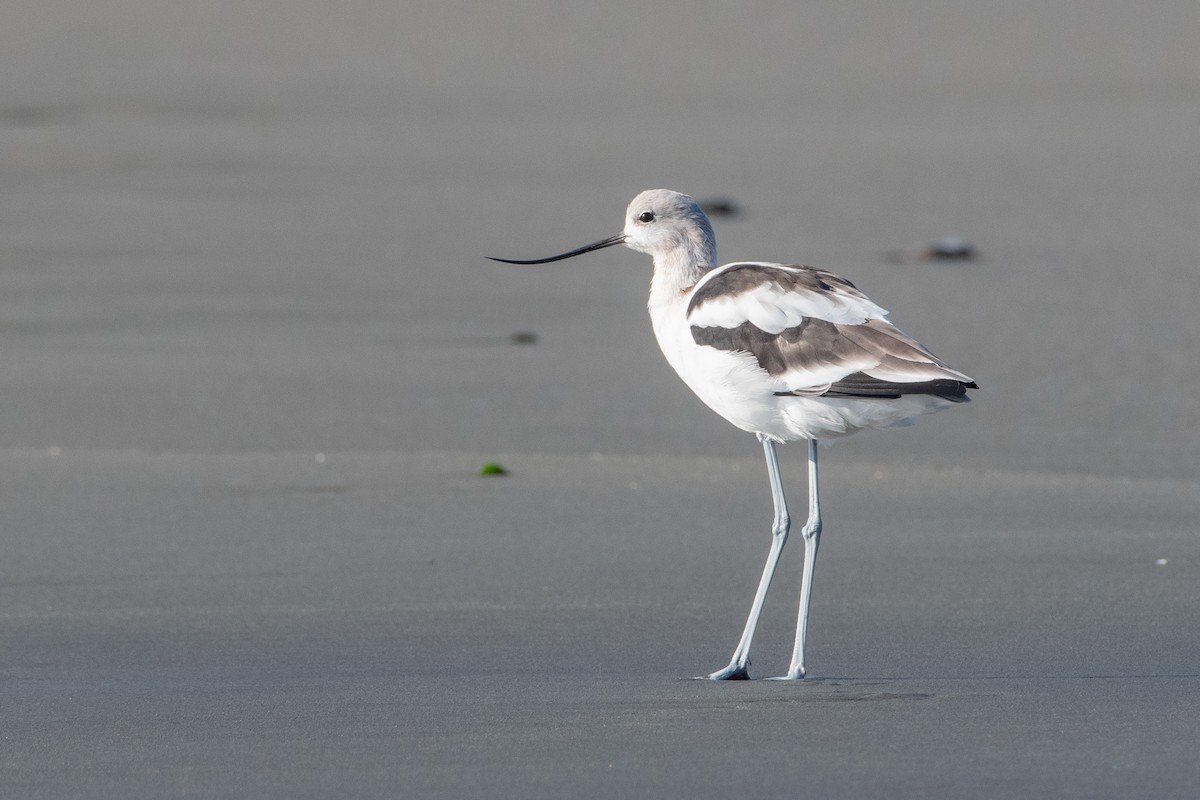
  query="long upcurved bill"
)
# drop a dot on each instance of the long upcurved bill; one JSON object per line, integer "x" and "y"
{"x": 587, "y": 248}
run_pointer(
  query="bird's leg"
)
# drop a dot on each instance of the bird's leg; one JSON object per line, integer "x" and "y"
{"x": 779, "y": 533}
{"x": 812, "y": 538}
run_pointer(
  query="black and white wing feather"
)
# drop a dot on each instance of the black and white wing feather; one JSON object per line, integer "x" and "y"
{"x": 815, "y": 334}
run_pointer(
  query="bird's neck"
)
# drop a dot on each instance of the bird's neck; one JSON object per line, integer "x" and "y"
{"x": 677, "y": 270}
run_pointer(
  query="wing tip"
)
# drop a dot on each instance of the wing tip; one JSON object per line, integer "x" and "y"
{"x": 863, "y": 386}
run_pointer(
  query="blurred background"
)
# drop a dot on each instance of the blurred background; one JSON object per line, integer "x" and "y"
{"x": 231, "y": 226}
{"x": 252, "y": 358}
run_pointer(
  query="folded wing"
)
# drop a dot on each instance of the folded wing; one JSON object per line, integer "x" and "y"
{"x": 815, "y": 334}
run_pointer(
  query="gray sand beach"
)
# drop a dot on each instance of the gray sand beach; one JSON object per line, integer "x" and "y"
{"x": 254, "y": 358}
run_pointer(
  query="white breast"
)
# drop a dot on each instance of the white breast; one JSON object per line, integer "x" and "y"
{"x": 731, "y": 384}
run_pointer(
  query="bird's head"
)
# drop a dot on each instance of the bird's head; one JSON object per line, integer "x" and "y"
{"x": 661, "y": 223}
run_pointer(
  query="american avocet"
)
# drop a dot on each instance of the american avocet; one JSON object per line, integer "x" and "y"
{"x": 783, "y": 351}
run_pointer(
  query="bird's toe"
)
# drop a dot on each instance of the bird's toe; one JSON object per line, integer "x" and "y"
{"x": 734, "y": 672}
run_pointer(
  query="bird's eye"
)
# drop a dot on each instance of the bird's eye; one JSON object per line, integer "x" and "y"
{"x": 646, "y": 216}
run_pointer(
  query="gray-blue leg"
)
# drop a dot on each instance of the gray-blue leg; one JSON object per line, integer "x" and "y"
{"x": 779, "y": 533}
{"x": 812, "y": 538}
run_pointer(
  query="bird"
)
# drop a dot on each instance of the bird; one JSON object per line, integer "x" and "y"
{"x": 784, "y": 351}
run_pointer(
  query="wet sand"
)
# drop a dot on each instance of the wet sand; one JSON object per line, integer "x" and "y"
{"x": 254, "y": 360}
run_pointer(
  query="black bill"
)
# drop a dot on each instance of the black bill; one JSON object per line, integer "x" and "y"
{"x": 587, "y": 248}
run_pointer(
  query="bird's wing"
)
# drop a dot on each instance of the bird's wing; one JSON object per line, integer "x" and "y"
{"x": 815, "y": 334}
{"x": 776, "y": 296}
